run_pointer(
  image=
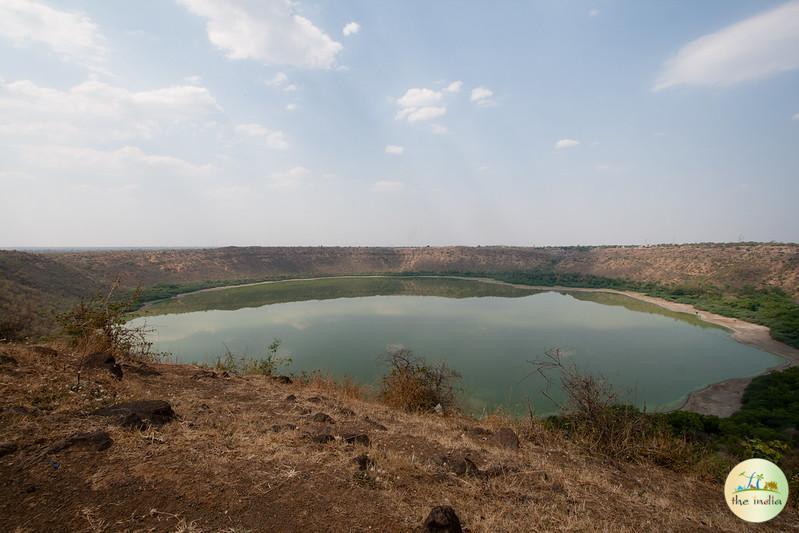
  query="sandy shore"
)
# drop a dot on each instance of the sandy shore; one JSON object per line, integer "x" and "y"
{"x": 720, "y": 399}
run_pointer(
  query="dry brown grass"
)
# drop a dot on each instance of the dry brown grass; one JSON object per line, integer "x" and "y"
{"x": 220, "y": 467}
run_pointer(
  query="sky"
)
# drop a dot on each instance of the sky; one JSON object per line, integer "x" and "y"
{"x": 281, "y": 122}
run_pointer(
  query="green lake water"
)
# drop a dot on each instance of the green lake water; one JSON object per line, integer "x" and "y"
{"x": 488, "y": 332}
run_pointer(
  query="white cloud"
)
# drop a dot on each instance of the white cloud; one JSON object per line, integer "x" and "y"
{"x": 417, "y": 114}
{"x": 279, "y": 79}
{"x": 292, "y": 178}
{"x": 387, "y": 186}
{"x": 274, "y": 139}
{"x": 454, "y": 87}
{"x": 593, "y": 13}
{"x": 566, "y": 143}
{"x": 419, "y": 98}
{"x": 438, "y": 129}
{"x": 351, "y": 29}
{"x": 755, "y": 48}
{"x": 271, "y": 32}
{"x": 796, "y": 116}
{"x": 290, "y": 88}
{"x": 70, "y": 35}
{"x": 194, "y": 80}
{"x": 482, "y": 96}
{"x": 393, "y": 149}
{"x": 418, "y": 105}
{"x": 97, "y": 111}
{"x": 291, "y": 107}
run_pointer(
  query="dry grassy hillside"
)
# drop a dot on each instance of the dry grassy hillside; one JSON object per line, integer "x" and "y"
{"x": 35, "y": 285}
{"x": 247, "y": 453}
{"x": 721, "y": 265}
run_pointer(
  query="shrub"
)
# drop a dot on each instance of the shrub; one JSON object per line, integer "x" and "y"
{"x": 266, "y": 365}
{"x": 99, "y": 324}
{"x": 413, "y": 384}
{"x": 592, "y": 418}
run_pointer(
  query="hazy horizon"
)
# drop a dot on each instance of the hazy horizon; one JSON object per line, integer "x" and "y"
{"x": 208, "y": 123}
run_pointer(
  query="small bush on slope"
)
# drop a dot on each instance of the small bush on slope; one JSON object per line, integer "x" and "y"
{"x": 413, "y": 384}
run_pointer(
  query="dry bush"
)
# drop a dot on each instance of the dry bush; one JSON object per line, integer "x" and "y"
{"x": 99, "y": 324}
{"x": 345, "y": 386}
{"x": 593, "y": 418}
{"x": 412, "y": 384}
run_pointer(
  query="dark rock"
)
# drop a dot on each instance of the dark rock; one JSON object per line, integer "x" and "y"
{"x": 363, "y": 461}
{"x": 155, "y": 412}
{"x": 285, "y": 380}
{"x": 29, "y": 488}
{"x": 322, "y": 437}
{"x": 96, "y": 440}
{"x": 6, "y": 359}
{"x": 460, "y": 465}
{"x": 356, "y": 438}
{"x": 442, "y": 519}
{"x": 505, "y": 438}
{"x": 43, "y": 350}
{"x": 315, "y": 399}
{"x": 7, "y": 448}
{"x": 277, "y": 428}
{"x": 103, "y": 360}
{"x": 322, "y": 418}
{"x": 132, "y": 421}
{"x": 291, "y": 398}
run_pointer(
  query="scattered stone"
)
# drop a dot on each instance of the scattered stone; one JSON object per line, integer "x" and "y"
{"x": 95, "y": 440}
{"x": 322, "y": 437}
{"x": 460, "y": 465}
{"x": 442, "y": 519}
{"x": 43, "y": 350}
{"x": 439, "y": 409}
{"x": 29, "y": 488}
{"x": 103, "y": 360}
{"x": 356, "y": 438}
{"x": 505, "y": 438}
{"x": 7, "y": 448}
{"x": 155, "y": 412}
{"x": 6, "y": 359}
{"x": 322, "y": 418}
{"x": 314, "y": 399}
{"x": 363, "y": 461}
{"x": 291, "y": 398}
{"x": 285, "y": 380}
{"x": 277, "y": 428}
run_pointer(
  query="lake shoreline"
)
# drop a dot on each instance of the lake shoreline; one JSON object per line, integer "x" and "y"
{"x": 721, "y": 399}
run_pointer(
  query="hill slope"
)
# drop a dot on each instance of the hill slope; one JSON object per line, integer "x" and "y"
{"x": 250, "y": 454}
